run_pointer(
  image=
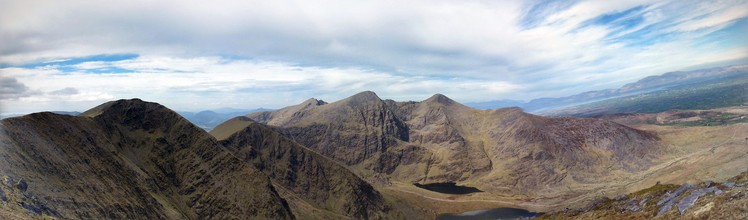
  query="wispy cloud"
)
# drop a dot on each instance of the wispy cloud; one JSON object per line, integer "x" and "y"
{"x": 274, "y": 53}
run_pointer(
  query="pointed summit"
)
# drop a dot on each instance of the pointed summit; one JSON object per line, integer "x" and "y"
{"x": 312, "y": 102}
{"x": 439, "y": 98}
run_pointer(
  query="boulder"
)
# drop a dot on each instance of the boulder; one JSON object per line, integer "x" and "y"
{"x": 621, "y": 197}
{"x": 709, "y": 183}
{"x": 2, "y": 195}
{"x": 8, "y": 181}
{"x": 632, "y": 206}
{"x": 22, "y": 185}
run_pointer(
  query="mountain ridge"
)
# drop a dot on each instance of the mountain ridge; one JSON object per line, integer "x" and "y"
{"x": 440, "y": 140}
{"x": 649, "y": 83}
{"x": 135, "y": 159}
{"x": 317, "y": 179}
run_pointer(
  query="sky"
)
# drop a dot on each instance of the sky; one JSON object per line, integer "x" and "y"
{"x": 196, "y": 55}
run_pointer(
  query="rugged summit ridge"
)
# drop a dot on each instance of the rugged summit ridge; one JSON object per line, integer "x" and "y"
{"x": 441, "y": 140}
{"x": 132, "y": 159}
{"x": 319, "y": 181}
{"x": 368, "y": 124}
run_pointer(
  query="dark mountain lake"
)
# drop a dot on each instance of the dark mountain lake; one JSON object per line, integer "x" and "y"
{"x": 497, "y": 213}
{"x": 448, "y": 188}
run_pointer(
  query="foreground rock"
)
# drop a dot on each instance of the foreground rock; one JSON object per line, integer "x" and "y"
{"x": 728, "y": 200}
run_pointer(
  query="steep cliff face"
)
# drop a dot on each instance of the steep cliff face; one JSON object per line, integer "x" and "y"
{"x": 440, "y": 140}
{"x": 131, "y": 159}
{"x": 318, "y": 180}
{"x": 351, "y": 130}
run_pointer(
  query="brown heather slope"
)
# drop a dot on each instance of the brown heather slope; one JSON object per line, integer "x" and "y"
{"x": 317, "y": 180}
{"x": 440, "y": 140}
{"x": 128, "y": 159}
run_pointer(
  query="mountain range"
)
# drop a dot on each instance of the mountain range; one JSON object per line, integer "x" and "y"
{"x": 209, "y": 119}
{"x": 364, "y": 157}
{"x": 131, "y": 159}
{"x": 648, "y": 84}
{"x": 439, "y": 140}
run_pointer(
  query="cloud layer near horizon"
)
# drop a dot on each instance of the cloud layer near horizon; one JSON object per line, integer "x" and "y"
{"x": 71, "y": 55}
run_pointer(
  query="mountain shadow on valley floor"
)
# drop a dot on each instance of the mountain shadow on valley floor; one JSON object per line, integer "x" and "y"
{"x": 497, "y": 213}
{"x": 448, "y": 188}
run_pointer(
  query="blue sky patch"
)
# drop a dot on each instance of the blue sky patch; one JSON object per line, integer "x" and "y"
{"x": 79, "y": 60}
{"x": 537, "y": 13}
{"x": 69, "y": 64}
{"x": 627, "y": 18}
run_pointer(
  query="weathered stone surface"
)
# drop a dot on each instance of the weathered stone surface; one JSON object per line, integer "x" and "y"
{"x": 2, "y": 195}
{"x": 22, "y": 185}
{"x": 689, "y": 200}
{"x": 729, "y": 184}
{"x": 621, "y": 197}
{"x": 670, "y": 198}
{"x": 8, "y": 181}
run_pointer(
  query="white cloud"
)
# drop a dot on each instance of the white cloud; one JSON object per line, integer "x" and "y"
{"x": 193, "y": 53}
{"x": 716, "y": 18}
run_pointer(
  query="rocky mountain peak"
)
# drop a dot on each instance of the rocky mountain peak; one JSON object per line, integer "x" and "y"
{"x": 360, "y": 98}
{"x": 313, "y": 102}
{"x": 440, "y": 99}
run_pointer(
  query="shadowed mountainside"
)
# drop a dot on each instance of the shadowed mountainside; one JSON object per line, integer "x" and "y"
{"x": 440, "y": 140}
{"x": 316, "y": 179}
{"x": 129, "y": 159}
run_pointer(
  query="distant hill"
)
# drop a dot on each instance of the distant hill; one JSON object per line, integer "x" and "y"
{"x": 701, "y": 95}
{"x": 440, "y": 140}
{"x": 209, "y": 119}
{"x": 645, "y": 85}
{"x": 72, "y": 113}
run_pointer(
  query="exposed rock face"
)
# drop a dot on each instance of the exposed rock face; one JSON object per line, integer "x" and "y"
{"x": 670, "y": 198}
{"x": 351, "y": 130}
{"x": 131, "y": 159}
{"x": 707, "y": 200}
{"x": 440, "y": 140}
{"x": 313, "y": 177}
{"x": 690, "y": 200}
{"x": 2, "y": 195}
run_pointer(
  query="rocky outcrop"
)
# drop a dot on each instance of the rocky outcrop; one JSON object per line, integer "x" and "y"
{"x": 706, "y": 200}
{"x": 20, "y": 199}
{"x": 670, "y": 198}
